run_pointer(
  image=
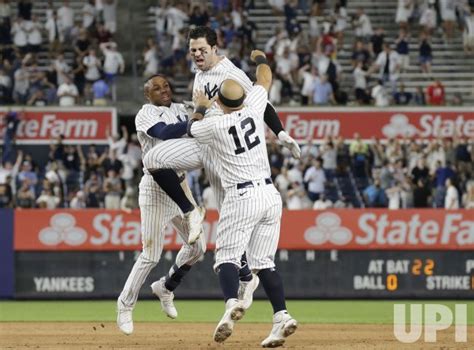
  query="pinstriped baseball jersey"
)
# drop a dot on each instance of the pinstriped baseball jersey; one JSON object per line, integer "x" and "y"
{"x": 210, "y": 80}
{"x": 149, "y": 115}
{"x": 251, "y": 211}
{"x": 157, "y": 210}
{"x": 237, "y": 140}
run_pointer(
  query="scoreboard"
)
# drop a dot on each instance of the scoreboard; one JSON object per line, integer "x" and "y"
{"x": 305, "y": 274}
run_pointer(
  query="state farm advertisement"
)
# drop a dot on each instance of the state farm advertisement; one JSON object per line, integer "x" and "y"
{"x": 364, "y": 229}
{"x": 306, "y": 124}
{"x": 78, "y": 125}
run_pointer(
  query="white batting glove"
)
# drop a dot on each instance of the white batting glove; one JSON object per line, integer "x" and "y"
{"x": 289, "y": 143}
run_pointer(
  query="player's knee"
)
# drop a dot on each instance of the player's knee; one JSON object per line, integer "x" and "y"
{"x": 149, "y": 257}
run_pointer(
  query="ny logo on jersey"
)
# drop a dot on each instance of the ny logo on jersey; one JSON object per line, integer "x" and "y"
{"x": 210, "y": 92}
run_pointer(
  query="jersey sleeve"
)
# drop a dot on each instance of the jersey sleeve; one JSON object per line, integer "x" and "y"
{"x": 149, "y": 116}
{"x": 203, "y": 130}
{"x": 257, "y": 99}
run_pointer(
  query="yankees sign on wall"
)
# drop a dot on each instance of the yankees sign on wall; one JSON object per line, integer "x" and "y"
{"x": 426, "y": 123}
{"x": 365, "y": 229}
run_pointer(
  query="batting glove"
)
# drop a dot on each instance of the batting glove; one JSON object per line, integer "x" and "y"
{"x": 289, "y": 143}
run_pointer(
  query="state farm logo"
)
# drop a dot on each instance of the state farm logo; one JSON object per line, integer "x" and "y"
{"x": 328, "y": 229}
{"x": 430, "y": 125}
{"x": 62, "y": 230}
{"x": 399, "y": 126}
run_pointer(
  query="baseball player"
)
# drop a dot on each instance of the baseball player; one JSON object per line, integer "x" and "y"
{"x": 251, "y": 211}
{"x": 157, "y": 121}
{"x": 184, "y": 154}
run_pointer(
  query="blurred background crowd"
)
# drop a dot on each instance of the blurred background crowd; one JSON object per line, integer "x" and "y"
{"x": 56, "y": 53}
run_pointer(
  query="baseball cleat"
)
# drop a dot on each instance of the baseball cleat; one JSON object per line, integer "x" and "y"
{"x": 193, "y": 221}
{"x": 234, "y": 311}
{"x": 166, "y": 297}
{"x": 124, "y": 318}
{"x": 246, "y": 290}
{"x": 283, "y": 326}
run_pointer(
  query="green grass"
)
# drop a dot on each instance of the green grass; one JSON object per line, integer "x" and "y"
{"x": 311, "y": 311}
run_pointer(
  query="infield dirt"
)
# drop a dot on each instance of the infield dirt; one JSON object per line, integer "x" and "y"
{"x": 96, "y": 335}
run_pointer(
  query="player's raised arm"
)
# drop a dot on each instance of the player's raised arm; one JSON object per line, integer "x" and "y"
{"x": 264, "y": 78}
{"x": 264, "y": 73}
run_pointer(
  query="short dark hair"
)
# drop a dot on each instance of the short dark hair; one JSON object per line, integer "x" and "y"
{"x": 203, "y": 32}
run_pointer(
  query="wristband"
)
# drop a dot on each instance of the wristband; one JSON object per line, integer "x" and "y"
{"x": 261, "y": 60}
{"x": 188, "y": 128}
{"x": 201, "y": 110}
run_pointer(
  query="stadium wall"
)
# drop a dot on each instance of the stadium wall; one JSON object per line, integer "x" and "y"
{"x": 322, "y": 254}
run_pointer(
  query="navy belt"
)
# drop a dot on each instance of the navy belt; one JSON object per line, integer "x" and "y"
{"x": 241, "y": 185}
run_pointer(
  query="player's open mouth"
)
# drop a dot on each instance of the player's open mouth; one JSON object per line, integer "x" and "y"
{"x": 165, "y": 97}
{"x": 199, "y": 60}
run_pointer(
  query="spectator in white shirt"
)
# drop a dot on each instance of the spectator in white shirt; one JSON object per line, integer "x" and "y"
{"x": 360, "y": 84}
{"x": 19, "y": 34}
{"x": 404, "y": 12}
{"x": 33, "y": 29}
{"x": 388, "y": 63}
{"x": 296, "y": 198}
{"x": 113, "y": 65}
{"x": 150, "y": 58}
{"x": 322, "y": 203}
{"x": 66, "y": 20}
{"x": 363, "y": 26}
{"x": 78, "y": 201}
{"x": 61, "y": 67}
{"x": 451, "y": 201}
{"x": 428, "y": 19}
{"x": 109, "y": 12}
{"x": 468, "y": 34}
{"x": 21, "y": 84}
{"x": 315, "y": 179}
{"x": 307, "y": 75}
{"x": 67, "y": 93}
{"x": 88, "y": 14}
{"x": 55, "y": 36}
{"x": 47, "y": 200}
{"x": 379, "y": 94}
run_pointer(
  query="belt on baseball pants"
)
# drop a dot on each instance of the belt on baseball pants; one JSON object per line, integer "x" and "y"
{"x": 241, "y": 185}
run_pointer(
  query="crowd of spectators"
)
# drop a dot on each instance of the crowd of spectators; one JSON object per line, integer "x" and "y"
{"x": 305, "y": 58}
{"x": 394, "y": 173}
{"x": 73, "y": 176}
{"x": 65, "y": 57}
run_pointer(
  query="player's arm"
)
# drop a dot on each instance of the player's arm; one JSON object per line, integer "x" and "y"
{"x": 270, "y": 116}
{"x": 199, "y": 128}
{"x": 165, "y": 131}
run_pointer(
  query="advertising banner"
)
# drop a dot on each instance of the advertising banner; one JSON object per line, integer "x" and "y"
{"x": 422, "y": 123}
{"x": 78, "y": 125}
{"x": 305, "y": 274}
{"x": 354, "y": 229}
{"x": 7, "y": 266}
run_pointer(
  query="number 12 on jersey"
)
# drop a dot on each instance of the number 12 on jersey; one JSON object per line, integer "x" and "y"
{"x": 248, "y": 134}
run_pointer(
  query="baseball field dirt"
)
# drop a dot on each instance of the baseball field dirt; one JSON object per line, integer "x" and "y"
{"x": 151, "y": 335}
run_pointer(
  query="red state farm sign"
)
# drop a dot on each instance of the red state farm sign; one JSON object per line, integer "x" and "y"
{"x": 317, "y": 123}
{"x": 78, "y": 125}
{"x": 376, "y": 229}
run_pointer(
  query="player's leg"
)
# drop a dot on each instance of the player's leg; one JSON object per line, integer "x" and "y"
{"x": 155, "y": 214}
{"x": 248, "y": 282}
{"x": 261, "y": 252}
{"x": 162, "y": 161}
{"x": 236, "y": 222}
{"x": 187, "y": 256}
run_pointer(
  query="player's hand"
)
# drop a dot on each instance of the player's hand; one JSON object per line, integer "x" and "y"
{"x": 200, "y": 99}
{"x": 290, "y": 143}
{"x": 255, "y": 54}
